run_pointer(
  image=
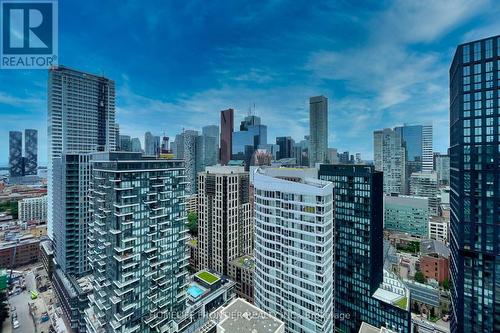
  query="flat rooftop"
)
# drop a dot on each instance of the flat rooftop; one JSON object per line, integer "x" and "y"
{"x": 246, "y": 261}
{"x": 243, "y": 317}
{"x": 207, "y": 277}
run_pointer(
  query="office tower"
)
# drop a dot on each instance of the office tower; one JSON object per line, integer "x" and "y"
{"x": 406, "y": 214}
{"x": 333, "y": 157}
{"x": 271, "y": 149}
{"x": 213, "y": 131}
{"x": 30, "y": 152}
{"x": 226, "y": 135}
{"x": 389, "y": 157}
{"x": 33, "y": 210}
{"x": 363, "y": 289}
{"x": 418, "y": 142}
{"x": 443, "y": 169}
{"x": 251, "y": 134}
{"x": 211, "y": 142}
{"x": 125, "y": 143}
{"x": 425, "y": 184}
{"x": 474, "y": 162}
{"x": 81, "y": 119}
{"x": 137, "y": 241}
{"x": 151, "y": 144}
{"x": 344, "y": 157}
{"x": 318, "y": 130}
{"x": 135, "y": 144}
{"x": 427, "y": 148}
{"x": 300, "y": 152}
{"x": 294, "y": 248}
{"x": 225, "y": 230}
{"x": 357, "y": 158}
{"x": 165, "y": 148}
{"x": 16, "y": 165}
{"x": 285, "y": 144}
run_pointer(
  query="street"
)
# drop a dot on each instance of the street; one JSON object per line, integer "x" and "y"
{"x": 20, "y": 302}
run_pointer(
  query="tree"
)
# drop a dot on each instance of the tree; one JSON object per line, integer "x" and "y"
{"x": 4, "y": 309}
{"x": 446, "y": 284}
{"x": 419, "y": 277}
{"x": 193, "y": 223}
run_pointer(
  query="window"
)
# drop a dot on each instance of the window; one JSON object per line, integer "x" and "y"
{"x": 477, "y": 51}
{"x": 466, "y": 53}
{"x": 489, "y": 48}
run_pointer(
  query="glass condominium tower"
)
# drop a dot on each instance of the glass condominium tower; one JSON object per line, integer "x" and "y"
{"x": 294, "y": 248}
{"x": 475, "y": 186}
{"x": 318, "y": 130}
{"x": 359, "y": 260}
{"x": 137, "y": 238}
{"x": 81, "y": 120}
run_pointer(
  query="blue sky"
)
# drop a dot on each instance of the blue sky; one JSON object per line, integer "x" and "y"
{"x": 178, "y": 63}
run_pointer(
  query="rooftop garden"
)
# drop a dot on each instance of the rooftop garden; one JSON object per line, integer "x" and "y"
{"x": 207, "y": 277}
{"x": 402, "y": 303}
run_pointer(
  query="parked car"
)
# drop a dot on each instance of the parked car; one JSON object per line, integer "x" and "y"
{"x": 15, "y": 324}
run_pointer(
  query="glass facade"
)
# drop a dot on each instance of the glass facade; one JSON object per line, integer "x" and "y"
{"x": 475, "y": 186}
{"x": 15, "y": 154}
{"x": 247, "y": 140}
{"x": 137, "y": 244}
{"x": 358, "y": 202}
{"x": 30, "y": 151}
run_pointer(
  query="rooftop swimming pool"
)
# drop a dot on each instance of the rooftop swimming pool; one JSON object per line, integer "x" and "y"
{"x": 195, "y": 290}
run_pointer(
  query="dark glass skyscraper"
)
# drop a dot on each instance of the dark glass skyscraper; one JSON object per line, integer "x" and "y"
{"x": 15, "y": 154}
{"x": 286, "y": 146}
{"x": 226, "y": 135}
{"x": 251, "y": 134}
{"x": 361, "y": 291}
{"x": 30, "y": 151}
{"x": 475, "y": 186}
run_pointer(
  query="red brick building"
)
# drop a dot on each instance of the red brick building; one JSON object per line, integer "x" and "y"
{"x": 435, "y": 267}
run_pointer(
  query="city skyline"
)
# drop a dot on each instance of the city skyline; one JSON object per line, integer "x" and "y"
{"x": 230, "y": 72}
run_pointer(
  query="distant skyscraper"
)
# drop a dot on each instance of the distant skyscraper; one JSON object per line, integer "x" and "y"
{"x": 286, "y": 144}
{"x": 333, "y": 157}
{"x": 443, "y": 169}
{"x": 151, "y": 144}
{"x": 418, "y": 143}
{"x": 427, "y": 148}
{"x": 211, "y": 151}
{"x": 475, "y": 186}
{"x": 190, "y": 157}
{"x": 389, "y": 157}
{"x": 225, "y": 229}
{"x": 318, "y": 130}
{"x": 125, "y": 143}
{"x": 294, "y": 248}
{"x": 137, "y": 247}
{"x": 30, "y": 151}
{"x": 213, "y": 131}
{"x": 245, "y": 141}
{"x": 226, "y": 135}
{"x": 136, "y": 145}
{"x": 344, "y": 158}
{"x": 16, "y": 164}
{"x": 360, "y": 290}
